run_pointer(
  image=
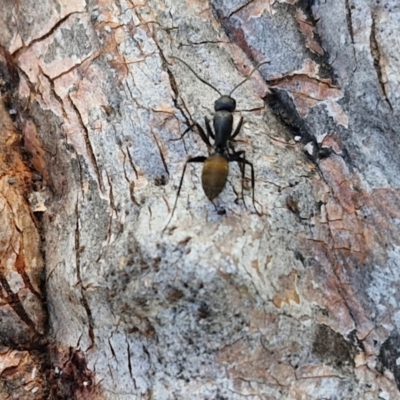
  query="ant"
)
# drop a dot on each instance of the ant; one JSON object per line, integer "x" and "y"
{"x": 216, "y": 165}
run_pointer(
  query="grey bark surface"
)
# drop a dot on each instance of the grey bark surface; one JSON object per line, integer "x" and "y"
{"x": 299, "y": 302}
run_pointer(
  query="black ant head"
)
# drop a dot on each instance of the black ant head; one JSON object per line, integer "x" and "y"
{"x": 225, "y": 103}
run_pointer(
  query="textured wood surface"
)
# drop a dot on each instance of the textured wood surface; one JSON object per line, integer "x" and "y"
{"x": 300, "y": 302}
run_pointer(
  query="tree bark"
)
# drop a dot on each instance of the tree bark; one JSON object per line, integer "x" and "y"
{"x": 103, "y": 299}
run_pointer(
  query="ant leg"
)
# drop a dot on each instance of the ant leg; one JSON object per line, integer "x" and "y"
{"x": 184, "y": 133}
{"x": 241, "y": 159}
{"x": 252, "y": 182}
{"x": 242, "y": 167}
{"x": 239, "y": 155}
{"x": 234, "y": 134}
{"x": 237, "y": 130}
{"x": 208, "y": 127}
{"x": 219, "y": 210}
{"x": 231, "y": 146}
{"x": 203, "y": 136}
{"x": 199, "y": 159}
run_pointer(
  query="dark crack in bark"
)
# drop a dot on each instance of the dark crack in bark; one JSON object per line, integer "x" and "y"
{"x": 51, "y": 31}
{"x": 349, "y": 20}
{"x": 78, "y": 272}
{"x": 376, "y": 55}
{"x": 89, "y": 147}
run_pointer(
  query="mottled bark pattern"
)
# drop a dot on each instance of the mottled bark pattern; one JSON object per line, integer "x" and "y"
{"x": 300, "y": 302}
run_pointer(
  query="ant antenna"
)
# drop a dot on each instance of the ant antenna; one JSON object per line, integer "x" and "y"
{"x": 248, "y": 76}
{"x": 211, "y": 86}
{"x": 198, "y": 77}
